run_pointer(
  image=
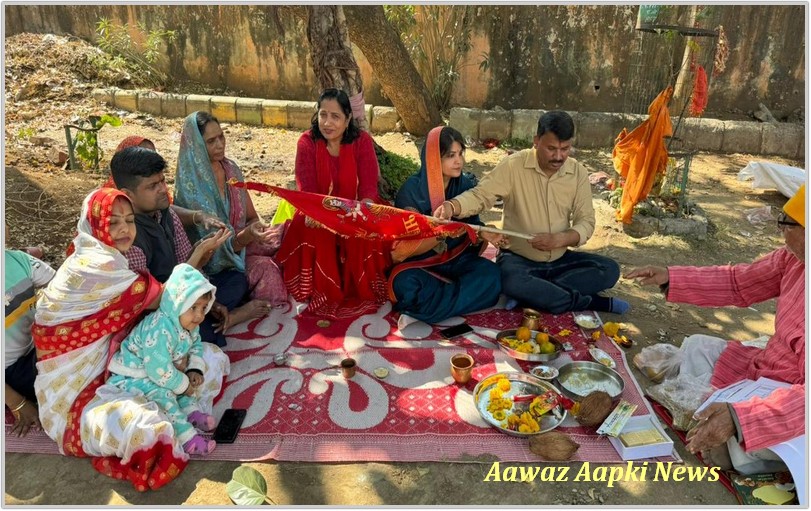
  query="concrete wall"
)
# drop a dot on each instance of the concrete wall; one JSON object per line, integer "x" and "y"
{"x": 575, "y": 57}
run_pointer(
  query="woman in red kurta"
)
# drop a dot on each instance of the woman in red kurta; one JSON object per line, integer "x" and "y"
{"x": 340, "y": 277}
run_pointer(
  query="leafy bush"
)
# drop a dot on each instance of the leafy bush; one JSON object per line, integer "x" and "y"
{"x": 139, "y": 60}
{"x": 394, "y": 170}
{"x": 85, "y": 143}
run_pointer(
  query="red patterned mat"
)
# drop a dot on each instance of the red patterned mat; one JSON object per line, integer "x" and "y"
{"x": 306, "y": 411}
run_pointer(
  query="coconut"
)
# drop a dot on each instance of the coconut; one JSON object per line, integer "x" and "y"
{"x": 553, "y": 446}
{"x": 594, "y": 408}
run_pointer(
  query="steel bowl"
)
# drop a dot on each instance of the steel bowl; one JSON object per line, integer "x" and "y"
{"x": 520, "y": 384}
{"x": 577, "y": 380}
{"x": 532, "y": 357}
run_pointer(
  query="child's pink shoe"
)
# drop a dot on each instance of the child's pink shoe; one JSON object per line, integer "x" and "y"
{"x": 202, "y": 421}
{"x": 199, "y": 445}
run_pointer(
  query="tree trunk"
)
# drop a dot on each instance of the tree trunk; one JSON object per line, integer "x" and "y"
{"x": 382, "y": 47}
{"x": 333, "y": 61}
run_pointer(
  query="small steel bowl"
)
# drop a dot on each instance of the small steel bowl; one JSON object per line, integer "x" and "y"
{"x": 532, "y": 357}
{"x": 577, "y": 380}
{"x": 544, "y": 372}
{"x": 587, "y": 321}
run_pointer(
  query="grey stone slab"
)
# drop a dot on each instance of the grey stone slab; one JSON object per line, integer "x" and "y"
{"x": 103, "y": 95}
{"x": 466, "y": 121}
{"x": 596, "y": 129}
{"x": 702, "y": 134}
{"x": 173, "y": 105}
{"x": 782, "y": 139}
{"x": 149, "y": 102}
{"x": 525, "y": 124}
{"x": 197, "y": 103}
{"x": 742, "y": 137}
{"x": 126, "y": 100}
{"x": 495, "y": 124}
{"x": 384, "y": 119}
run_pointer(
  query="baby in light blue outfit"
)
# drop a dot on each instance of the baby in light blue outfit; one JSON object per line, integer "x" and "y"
{"x": 163, "y": 356}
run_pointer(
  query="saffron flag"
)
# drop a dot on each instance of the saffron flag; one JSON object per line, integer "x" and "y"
{"x": 352, "y": 218}
{"x": 639, "y": 156}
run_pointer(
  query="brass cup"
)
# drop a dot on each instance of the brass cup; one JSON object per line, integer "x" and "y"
{"x": 461, "y": 367}
{"x": 348, "y": 367}
{"x": 532, "y": 319}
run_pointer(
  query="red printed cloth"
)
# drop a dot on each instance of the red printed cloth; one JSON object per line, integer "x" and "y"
{"x": 352, "y": 218}
{"x": 306, "y": 411}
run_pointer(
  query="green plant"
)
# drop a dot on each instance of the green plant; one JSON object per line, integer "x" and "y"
{"x": 437, "y": 53}
{"x": 140, "y": 60}
{"x": 248, "y": 487}
{"x": 517, "y": 143}
{"x": 395, "y": 169}
{"x": 25, "y": 133}
{"x": 85, "y": 143}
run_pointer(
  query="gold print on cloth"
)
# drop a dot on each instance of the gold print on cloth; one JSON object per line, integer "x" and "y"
{"x": 125, "y": 419}
{"x": 115, "y": 314}
{"x": 62, "y": 407}
{"x": 78, "y": 383}
{"x": 53, "y": 307}
{"x": 96, "y": 211}
{"x": 161, "y": 428}
{"x": 74, "y": 281}
{"x": 47, "y": 423}
{"x": 59, "y": 382}
{"x": 138, "y": 437}
{"x": 138, "y": 288}
{"x": 113, "y": 441}
{"x": 100, "y": 286}
{"x": 172, "y": 470}
{"x": 63, "y": 330}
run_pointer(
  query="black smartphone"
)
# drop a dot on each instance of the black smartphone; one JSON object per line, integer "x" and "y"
{"x": 229, "y": 425}
{"x": 455, "y": 331}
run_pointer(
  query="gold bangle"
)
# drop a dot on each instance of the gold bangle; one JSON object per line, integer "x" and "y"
{"x": 194, "y": 216}
{"x": 20, "y": 406}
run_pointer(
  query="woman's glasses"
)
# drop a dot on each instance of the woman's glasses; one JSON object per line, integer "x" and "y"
{"x": 783, "y": 221}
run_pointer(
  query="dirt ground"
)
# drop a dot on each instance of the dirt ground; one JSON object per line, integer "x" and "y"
{"x": 41, "y": 206}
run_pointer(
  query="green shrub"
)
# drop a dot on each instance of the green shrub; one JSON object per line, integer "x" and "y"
{"x": 394, "y": 170}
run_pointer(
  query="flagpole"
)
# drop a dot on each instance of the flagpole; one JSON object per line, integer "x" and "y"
{"x": 486, "y": 228}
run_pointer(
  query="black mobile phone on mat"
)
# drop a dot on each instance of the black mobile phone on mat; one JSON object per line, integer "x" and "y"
{"x": 229, "y": 425}
{"x": 455, "y": 331}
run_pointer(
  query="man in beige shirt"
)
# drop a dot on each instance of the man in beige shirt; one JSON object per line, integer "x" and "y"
{"x": 548, "y": 194}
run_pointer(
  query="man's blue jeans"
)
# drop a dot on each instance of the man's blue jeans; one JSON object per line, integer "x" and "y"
{"x": 566, "y": 284}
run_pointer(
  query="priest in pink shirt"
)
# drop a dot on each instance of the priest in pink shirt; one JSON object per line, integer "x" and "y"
{"x": 740, "y": 434}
